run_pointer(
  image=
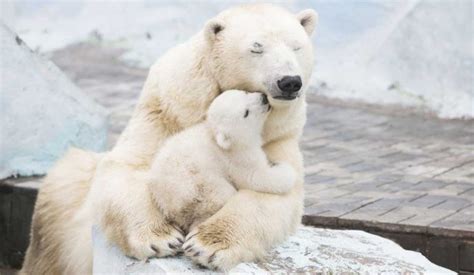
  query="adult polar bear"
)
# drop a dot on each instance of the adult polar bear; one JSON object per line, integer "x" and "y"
{"x": 254, "y": 48}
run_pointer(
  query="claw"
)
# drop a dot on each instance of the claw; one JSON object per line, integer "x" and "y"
{"x": 172, "y": 246}
{"x": 178, "y": 229}
{"x": 190, "y": 237}
{"x": 211, "y": 258}
{"x": 201, "y": 266}
{"x": 180, "y": 240}
{"x": 156, "y": 249}
{"x": 133, "y": 258}
{"x": 197, "y": 254}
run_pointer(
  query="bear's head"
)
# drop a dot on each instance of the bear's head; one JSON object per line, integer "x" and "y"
{"x": 262, "y": 48}
{"x": 236, "y": 118}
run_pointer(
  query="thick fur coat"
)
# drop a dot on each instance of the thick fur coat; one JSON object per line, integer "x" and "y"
{"x": 248, "y": 48}
{"x": 199, "y": 169}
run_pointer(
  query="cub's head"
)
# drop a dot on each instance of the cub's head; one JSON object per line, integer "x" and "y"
{"x": 236, "y": 118}
{"x": 262, "y": 48}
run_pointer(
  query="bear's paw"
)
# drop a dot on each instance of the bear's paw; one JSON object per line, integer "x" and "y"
{"x": 154, "y": 242}
{"x": 212, "y": 254}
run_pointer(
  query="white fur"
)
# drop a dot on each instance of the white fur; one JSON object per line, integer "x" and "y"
{"x": 205, "y": 162}
{"x": 179, "y": 89}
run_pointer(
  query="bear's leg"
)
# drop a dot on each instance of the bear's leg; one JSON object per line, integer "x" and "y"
{"x": 124, "y": 210}
{"x": 249, "y": 223}
{"x": 55, "y": 243}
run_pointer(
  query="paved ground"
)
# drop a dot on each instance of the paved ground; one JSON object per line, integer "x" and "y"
{"x": 361, "y": 164}
{"x": 392, "y": 169}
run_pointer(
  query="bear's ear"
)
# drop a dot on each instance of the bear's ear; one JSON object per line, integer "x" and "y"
{"x": 308, "y": 19}
{"x": 223, "y": 141}
{"x": 212, "y": 29}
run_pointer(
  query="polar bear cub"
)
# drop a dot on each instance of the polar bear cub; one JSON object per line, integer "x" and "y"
{"x": 199, "y": 169}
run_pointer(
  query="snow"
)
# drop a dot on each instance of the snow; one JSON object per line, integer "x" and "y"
{"x": 310, "y": 250}
{"x": 42, "y": 113}
{"x": 413, "y": 58}
{"x": 414, "y": 53}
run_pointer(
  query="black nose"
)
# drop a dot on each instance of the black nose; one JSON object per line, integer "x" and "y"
{"x": 290, "y": 84}
{"x": 264, "y": 99}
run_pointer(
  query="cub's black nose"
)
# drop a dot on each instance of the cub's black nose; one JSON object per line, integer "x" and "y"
{"x": 264, "y": 99}
{"x": 290, "y": 84}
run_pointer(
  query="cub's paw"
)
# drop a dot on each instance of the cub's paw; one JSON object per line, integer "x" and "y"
{"x": 154, "y": 242}
{"x": 285, "y": 177}
{"x": 212, "y": 253}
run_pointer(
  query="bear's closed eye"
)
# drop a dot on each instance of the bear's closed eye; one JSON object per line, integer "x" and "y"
{"x": 246, "y": 113}
{"x": 257, "y": 48}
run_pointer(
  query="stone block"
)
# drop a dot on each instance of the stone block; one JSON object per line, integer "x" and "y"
{"x": 443, "y": 252}
{"x": 466, "y": 256}
{"x": 16, "y": 210}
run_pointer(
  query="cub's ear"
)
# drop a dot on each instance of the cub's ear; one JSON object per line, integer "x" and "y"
{"x": 213, "y": 28}
{"x": 308, "y": 19}
{"x": 223, "y": 141}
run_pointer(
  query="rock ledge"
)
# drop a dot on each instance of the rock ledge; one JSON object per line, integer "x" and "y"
{"x": 311, "y": 250}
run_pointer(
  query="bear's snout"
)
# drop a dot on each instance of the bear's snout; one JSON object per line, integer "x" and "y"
{"x": 289, "y": 86}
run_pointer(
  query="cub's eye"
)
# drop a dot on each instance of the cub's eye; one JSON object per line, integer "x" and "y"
{"x": 246, "y": 113}
{"x": 257, "y": 48}
{"x": 296, "y": 49}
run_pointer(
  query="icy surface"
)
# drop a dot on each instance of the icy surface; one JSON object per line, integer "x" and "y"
{"x": 42, "y": 113}
{"x": 416, "y": 53}
{"x": 310, "y": 250}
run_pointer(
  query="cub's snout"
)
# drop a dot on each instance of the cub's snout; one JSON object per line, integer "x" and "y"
{"x": 266, "y": 103}
{"x": 264, "y": 99}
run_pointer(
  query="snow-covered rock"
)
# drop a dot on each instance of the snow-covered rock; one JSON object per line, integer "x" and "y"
{"x": 310, "y": 250}
{"x": 42, "y": 113}
{"x": 414, "y": 53}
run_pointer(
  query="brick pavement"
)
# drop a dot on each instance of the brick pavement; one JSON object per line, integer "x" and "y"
{"x": 360, "y": 164}
{"x": 398, "y": 169}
